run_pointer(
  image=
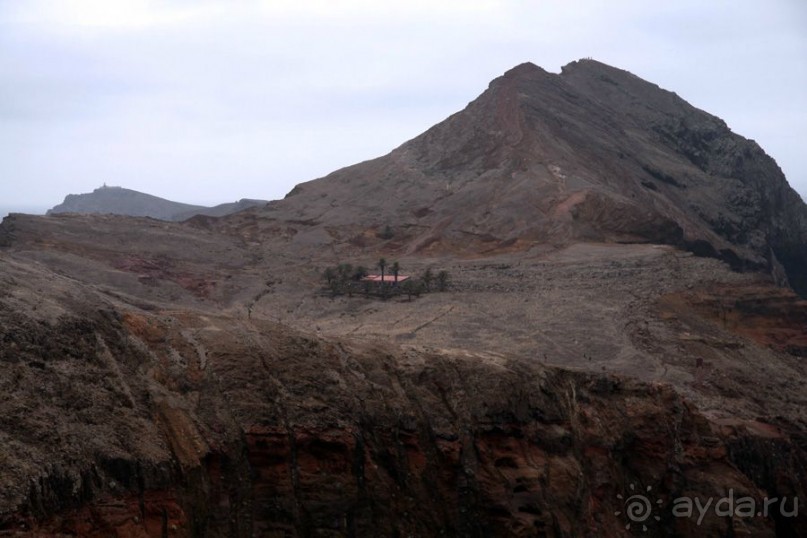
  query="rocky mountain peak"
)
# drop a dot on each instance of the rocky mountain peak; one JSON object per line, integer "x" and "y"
{"x": 524, "y": 70}
{"x": 592, "y": 154}
{"x": 592, "y": 67}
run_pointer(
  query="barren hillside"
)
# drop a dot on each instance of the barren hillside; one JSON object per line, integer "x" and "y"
{"x": 620, "y": 312}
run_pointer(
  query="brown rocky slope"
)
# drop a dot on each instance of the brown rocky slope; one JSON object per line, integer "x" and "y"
{"x": 182, "y": 423}
{"x": 594, "y": 153}
{"x": 189, "y": 379}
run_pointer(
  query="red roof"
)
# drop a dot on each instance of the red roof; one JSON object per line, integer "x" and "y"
{"x": 387, "y": 278}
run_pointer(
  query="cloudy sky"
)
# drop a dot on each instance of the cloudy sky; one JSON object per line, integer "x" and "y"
{"x": 212, "y": 101}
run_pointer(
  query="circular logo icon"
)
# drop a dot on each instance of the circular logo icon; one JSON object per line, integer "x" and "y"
{"x": 638, "y": 507}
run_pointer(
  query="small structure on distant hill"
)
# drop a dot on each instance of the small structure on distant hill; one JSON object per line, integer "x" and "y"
{"x": 386, "y": 279}
{"x": 386, "y": 285}
{"x": 344, "y": 279}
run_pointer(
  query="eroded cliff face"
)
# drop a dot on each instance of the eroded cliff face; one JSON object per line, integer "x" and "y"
{"x": 175, "y": 423}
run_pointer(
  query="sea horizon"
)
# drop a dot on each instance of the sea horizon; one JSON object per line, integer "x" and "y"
{"x": 28, "y": 209}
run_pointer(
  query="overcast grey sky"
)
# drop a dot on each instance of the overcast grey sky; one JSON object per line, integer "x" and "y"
{"x": 212, "y": 101}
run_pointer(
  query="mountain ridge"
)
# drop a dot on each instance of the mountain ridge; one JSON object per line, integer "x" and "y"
{"x": 593, "y": 153}
{"x": 200, "y": 377}
{"x": 128, "y": 202}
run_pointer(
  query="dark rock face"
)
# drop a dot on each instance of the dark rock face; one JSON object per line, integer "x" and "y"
{"x": 736, "y": 189}
{"x": 277, "y": 434}
{"x": 594, "y": 153}
{"x": 120, "y": 201}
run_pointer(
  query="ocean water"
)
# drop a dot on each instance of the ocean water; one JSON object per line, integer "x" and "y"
{"x": 31, "y": 210}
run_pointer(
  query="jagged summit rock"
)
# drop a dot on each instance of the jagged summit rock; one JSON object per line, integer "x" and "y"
{"x": 594, "y": 153}
{"x": 120, "y": 201}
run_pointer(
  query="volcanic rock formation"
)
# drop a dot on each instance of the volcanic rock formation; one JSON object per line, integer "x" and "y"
{"x": 594, "y": 153}
{"x": 618, "y": 321}
{"x": 130, "y": 423}
{"x": 120, "y": 201}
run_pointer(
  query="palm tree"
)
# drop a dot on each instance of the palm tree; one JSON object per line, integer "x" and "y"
{"x": 382, "y": 263}
{"x": 442, "y": 280}
{"x": 332, "y": 277}
{"x": 359, "y": 273}
{"x": 343, "y": 273}
{"x": 427, "y": 278}
{"x": 396, "y": 268}
{"x": 408, "y": 288}
{"x": 329, "y": 275}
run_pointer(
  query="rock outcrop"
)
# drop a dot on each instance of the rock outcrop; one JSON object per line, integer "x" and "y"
{"x": 120, "y": 201}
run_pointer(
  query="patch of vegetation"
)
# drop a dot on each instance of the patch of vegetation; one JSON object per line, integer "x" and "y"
{"x": 386, "y": 233}
{"x": 345, "y": 279}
